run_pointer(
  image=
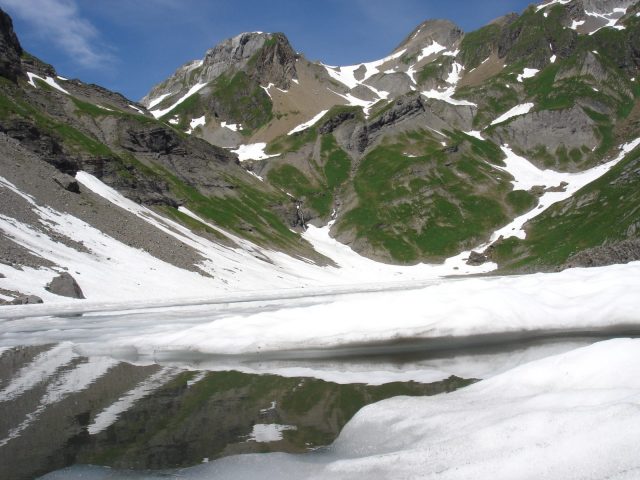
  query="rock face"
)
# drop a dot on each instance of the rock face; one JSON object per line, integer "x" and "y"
{"x": 65, "y": 285}
{"x": 442, "y": 32}
{"x": 10, "y": 49}
{"x": 621, "y": 252}
{"x": 571, "y": 128}
{"x": 266, "y": 57}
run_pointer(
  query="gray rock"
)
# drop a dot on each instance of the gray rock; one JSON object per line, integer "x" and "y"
{"x": 2, "y": 275}
{"x": 571, "y": 128}
{"x": 476, "y": 259}
{"x": 275, "y": 63}
{"x": 620, "y": 252}
{"x": 67, "y": 182}
{"x": 66, "y": 286}
{"x": 25, "y": 300}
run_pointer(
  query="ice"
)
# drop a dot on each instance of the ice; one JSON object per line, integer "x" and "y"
{"x": 553, "y": 58}
{"x": 319, "y": 319}
{"x": 514, "y": 112}
{"x": 253, "y": 151}
{"x": 48, "y": 80}
{"x": 193, "y": 90}
{"x": 309, "y": 123}
{"x": 268, "y": 432}
{"x": 528, "y": 73}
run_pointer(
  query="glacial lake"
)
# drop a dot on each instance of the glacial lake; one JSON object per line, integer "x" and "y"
{"x": 60, "y": 408}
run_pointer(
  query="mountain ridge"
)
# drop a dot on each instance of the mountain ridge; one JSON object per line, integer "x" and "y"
{"x": 423, "y": 156}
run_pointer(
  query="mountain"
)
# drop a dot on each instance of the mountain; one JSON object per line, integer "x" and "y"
{"x": 513, "y": 145}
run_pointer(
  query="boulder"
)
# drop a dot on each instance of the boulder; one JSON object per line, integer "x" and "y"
{"x": 476, "y": 259}
{"x": 66, "y": 286}
{"x": 25, "y": 300}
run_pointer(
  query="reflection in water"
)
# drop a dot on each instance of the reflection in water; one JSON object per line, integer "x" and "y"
{"x": 59, "y": 408}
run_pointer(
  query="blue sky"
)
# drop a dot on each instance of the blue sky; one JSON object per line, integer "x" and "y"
{"x": 130, "y": 45}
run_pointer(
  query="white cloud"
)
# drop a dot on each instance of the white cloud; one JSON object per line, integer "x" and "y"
{"x": 60, "y": 22}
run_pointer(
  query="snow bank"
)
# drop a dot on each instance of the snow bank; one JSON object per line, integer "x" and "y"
{"x": 528, "y": 73}
{"x": 576, "y": 299}
{"x": 193, "y": 90}
{"x": 526, "y": 176}
{"x": 252, "y": 151}
{"x": 48, "y": 80}
{"x": 514, "y": 112}
{"x": 308, "y": 124}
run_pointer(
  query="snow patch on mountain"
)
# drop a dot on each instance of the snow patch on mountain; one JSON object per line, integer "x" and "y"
{"x": 195, "y": 123}
{"x": 48, "y": 80}
{"x": 253, "y": 151}
{"x": 514, "y": 112}
{"x": 309, "y": 123}
{"x": 526, "y": 176}
{"x": 347, "y": 76}
{"x": 528, "y": 73}
{"x": 193, "y": 90}
{"x": 552, "y": 2}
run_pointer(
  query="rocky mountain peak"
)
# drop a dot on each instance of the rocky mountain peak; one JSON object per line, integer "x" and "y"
{"x": 10, "y": 49}
{"x": 443, "y": 32}
{"x": 265, "y": 57}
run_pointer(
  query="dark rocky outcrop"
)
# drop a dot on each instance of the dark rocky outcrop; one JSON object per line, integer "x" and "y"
{"x": 65, "y": 285}
{"x": 476, "y": 258}
{"x": 10, "y": 49}
{"x": 620, "y": 252}
{"x": 25, "y": 300}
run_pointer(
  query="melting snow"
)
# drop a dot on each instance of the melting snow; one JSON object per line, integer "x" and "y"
{"x": 253, "y": 151}
{"x": 346, "y": 75}
{"x": 158, "y": 100}
{"x": 526, "y": 175}
{"x": 136, "y": 109}
{"x": 552, "y": 2}
{"x": 268, "y": 432}
{"x": 528, "y": 73}
{"x": 515, "y": 111}
{"x": 193, "y": 90}
{"x": 308, "y": 124}
{"x": 577, "y": 23}
{"x": 231, "y": 126}
{"x": 48, "y": 80}
{"x": 195, "y": 123}
{"x": 432, "y": 49}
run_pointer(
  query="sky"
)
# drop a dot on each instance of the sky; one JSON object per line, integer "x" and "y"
{"x": 131, "y": 45}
